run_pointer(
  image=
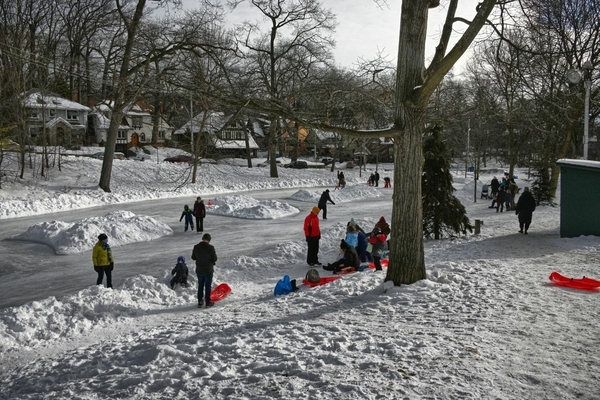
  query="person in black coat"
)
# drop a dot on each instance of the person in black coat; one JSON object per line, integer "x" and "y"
{"x": 500, "y": 199}
{"x": 323, "y": 202}
{"x": 350, "y": 259}
{"x": 206, "y": 257}
{"x": 495, "y": 184}
{"x": 525, "y": 209}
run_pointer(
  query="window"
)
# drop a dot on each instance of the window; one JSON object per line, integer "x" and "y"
{"x": 51, "y": 113}
{"x": 136, "y": 122}
{"x": 142, "y": 137}
{"x": 33, "y": 131}
{"x": 161, "y": 134}
{"x": 34, "y": 114}
{"x": 121, "y": 134}
{"x": 72, "y": 115}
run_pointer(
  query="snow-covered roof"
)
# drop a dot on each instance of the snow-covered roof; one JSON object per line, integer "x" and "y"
{"x": 210, "y": 121}
{"x": 102, "y": 122}
{"x": 51, "y": 101}
{"x": 257, "y": 129}
{"x": 235, "y": 144}
{"x": 579, "y": 163}
{"x": 324, "y": 135}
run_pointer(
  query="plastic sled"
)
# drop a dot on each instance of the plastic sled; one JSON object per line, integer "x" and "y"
{"x": 322, "y": 281}
{"x": 219, "y": 292}
{"x": 574, "y": 283}
{"x": 384, "y": 263}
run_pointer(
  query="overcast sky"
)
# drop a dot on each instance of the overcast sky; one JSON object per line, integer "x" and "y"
{"x": 365, "y": 29}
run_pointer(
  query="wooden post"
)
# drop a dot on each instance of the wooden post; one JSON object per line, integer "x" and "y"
{"x": 477, "y": 226}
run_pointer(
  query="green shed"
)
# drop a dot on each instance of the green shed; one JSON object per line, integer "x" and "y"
{"x": 579, "y": 198}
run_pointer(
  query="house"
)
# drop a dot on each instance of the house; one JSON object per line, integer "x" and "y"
{"x": 61, "y": 121}
{"x": 135, "y": 129}
{"x": 219, "y": 135}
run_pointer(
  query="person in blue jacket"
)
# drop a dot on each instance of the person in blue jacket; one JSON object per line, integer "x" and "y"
{"x": 187, "y": 214}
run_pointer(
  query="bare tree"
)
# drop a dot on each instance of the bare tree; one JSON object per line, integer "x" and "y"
{"x": 297, "y": 39}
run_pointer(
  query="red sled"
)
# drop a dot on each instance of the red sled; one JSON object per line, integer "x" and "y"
{"x": 322, "y": 281}
{"x": 384, "y": 263}
{"x": 574, "y": 283}
{"x": 346, "y": 270}
{"x": 220, "y": 291}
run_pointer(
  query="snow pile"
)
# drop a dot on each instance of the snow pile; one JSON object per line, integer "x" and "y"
{"x": 122, "y": 227}
{"x": 241, "y": 206}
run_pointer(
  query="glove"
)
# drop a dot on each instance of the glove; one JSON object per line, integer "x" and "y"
{"x": 333, "y": 204}
{"x": 307, "y": 238}
{"x": 319, "y": 237}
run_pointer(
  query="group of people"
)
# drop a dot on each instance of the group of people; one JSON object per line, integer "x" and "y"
{"x": 504, "y": 194}
{"x": 341, "y": 180}
{"x": 373, "y": 179}
{"x": 357, "y": 247}
{"x": 199, "y": 212}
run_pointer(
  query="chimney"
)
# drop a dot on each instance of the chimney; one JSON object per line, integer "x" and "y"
{"x": 90, "y": 102}
{"x": 74, "y": 96}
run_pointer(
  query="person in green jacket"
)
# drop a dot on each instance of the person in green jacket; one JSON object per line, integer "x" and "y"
{"x": 103, "y": 260}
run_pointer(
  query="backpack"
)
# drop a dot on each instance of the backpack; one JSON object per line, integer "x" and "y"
{"x": 313, "y": 276}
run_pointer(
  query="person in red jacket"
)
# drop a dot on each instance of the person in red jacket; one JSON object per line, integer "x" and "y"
{"x": 312, "y": 231}
{"x": 200, "y": 213}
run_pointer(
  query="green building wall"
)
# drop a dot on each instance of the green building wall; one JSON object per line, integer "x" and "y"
{"x": 579, "y": 198}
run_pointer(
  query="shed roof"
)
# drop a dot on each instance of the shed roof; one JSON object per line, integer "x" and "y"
{"x": 579, "y": 163}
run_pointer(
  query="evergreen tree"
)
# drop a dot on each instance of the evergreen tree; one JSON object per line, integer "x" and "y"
{"x": 541, "y": 188}
{"x": 443, "y": 213}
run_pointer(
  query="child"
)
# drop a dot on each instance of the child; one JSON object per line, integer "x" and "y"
{"x": 349, "y": 260}
{"x": 181, "y": 273}
{"x": 378, "y": 240}
{"x": 188, "y": 214}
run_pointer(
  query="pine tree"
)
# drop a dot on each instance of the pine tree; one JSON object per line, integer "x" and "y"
{"x": 541, "y": 188}
{"x": 443, "y": 213}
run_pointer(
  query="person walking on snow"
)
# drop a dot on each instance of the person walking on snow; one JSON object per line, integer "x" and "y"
{"x": 187, "y": 214}
{"x": 103, "y": 260}
{"x": 376, "y": 178}
{"x": 312, "y": 231}
{"x": 205, "y": 256}
{"x": 525, "y": 208}
{"x": 323, "y": 202}
{"x": 200, "y": 214}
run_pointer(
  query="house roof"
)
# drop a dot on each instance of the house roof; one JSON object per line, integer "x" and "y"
{"x": 38, "y": 99}
{"x": 210, "y": 121}
{"x": 61, "y": 121}
{"x": 324, "y": 135}
{"x": 234, "y": 144}
{"x": 102, "y": 122}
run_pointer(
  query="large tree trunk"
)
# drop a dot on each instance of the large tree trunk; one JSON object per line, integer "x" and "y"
{"x": 407, "y": 261}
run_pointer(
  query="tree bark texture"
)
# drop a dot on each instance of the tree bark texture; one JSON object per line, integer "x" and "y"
{"x": 407, "y": 261}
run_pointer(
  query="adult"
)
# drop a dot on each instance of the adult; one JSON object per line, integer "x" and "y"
{"x": 495, "y": 184}
{"x": 323, "y": 202}
{"x": 525, "y": 209}
{"x": 500, "y": 198}
{"x": 312, "y": 232}
{"x": 200, "y": 213}
{"x": 102, "y": 258}
{"x": 205, "y": 256}
{"x": 376, "y": 178}
{"x": 341, "y": 180}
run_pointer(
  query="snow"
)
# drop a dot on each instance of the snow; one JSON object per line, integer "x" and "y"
{"x": 486, "y": 323}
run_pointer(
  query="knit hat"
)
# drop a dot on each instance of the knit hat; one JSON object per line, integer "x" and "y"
{"x": 382, "y": 220}
{"x": 315, "y": 210}
{"x": 352, "y": 222}
{"x": 102, "y": 236}
{"x": 181, "y": 259}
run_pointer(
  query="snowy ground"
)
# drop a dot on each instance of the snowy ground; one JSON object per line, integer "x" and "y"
{"x": 485, "y": 324}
